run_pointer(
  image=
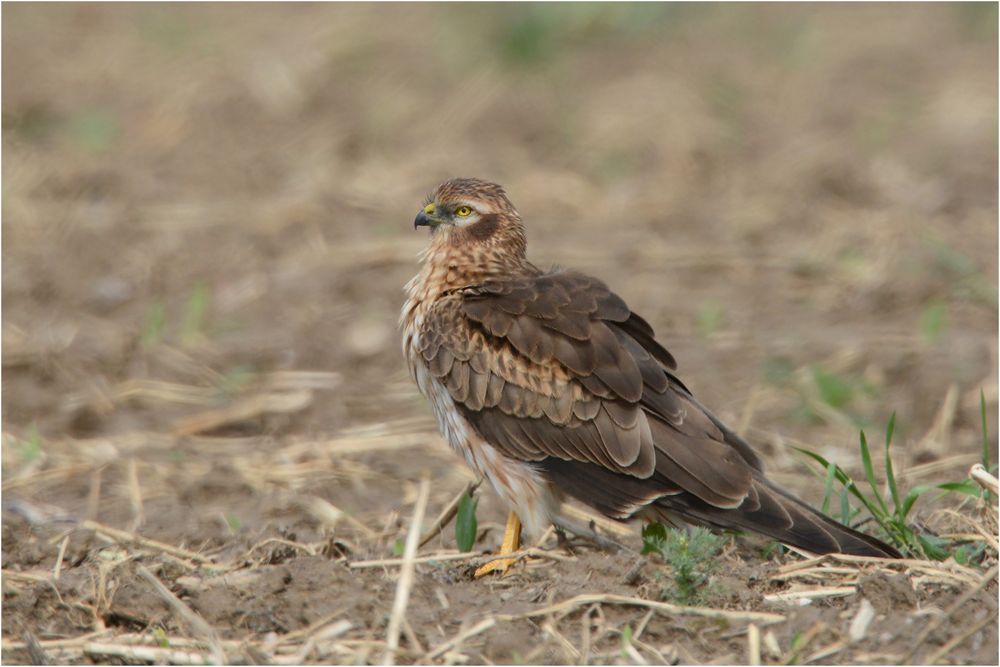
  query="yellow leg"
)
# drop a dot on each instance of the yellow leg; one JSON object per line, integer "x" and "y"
{"x": 511, "y": 543}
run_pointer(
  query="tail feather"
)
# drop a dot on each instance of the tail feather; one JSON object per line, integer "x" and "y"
{"x": 778, "y": 514}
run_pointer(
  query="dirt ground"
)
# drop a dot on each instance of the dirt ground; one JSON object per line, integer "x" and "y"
{"x": 208, "y": 430}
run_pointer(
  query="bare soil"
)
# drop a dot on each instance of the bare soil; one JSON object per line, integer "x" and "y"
{"x": 207, "y": 225}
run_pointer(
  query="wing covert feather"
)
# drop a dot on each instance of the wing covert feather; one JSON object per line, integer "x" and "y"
{"x": 555, "y": 366}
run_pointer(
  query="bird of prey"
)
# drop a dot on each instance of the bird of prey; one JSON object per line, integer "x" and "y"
{"x": 550, "y": 386}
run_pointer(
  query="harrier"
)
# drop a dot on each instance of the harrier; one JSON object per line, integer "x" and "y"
{"x": 550, "y": 386}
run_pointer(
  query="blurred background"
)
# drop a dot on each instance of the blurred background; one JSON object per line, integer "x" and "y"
{"x": 207, "y": 223}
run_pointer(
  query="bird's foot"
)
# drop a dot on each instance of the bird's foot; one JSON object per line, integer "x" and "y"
{"x": 500, "y": 566}
{"x": 511, "y": 543}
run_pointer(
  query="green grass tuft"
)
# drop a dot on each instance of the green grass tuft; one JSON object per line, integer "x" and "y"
{"x": 891, "y": 510}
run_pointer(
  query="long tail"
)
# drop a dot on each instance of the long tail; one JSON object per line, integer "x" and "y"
{"x": 778, "y": 514}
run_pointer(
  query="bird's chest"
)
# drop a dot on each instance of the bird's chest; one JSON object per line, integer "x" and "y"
{"x": 515, "y": 481}
{"x": 417, "y": 317}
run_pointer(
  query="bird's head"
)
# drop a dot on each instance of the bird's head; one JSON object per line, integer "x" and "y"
{"x": 469, "y": 210}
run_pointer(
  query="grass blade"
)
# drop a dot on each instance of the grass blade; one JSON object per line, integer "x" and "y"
{"x": 194, "y": 314}
{"x": 842, "y": 476}
{"x": 986, "y": 439}
{"x": 152, "y": 328}
{"x": 845, "y": 507}
{"x": 866, "y": 460}
{"x": 889, "y": 474}
{"x": 831, "y": 473}
{"x": 968, "y": 487}
{"x": 848, "y": 483}
{"x": 890, "y": 428}
{"x": 986, "y": 432}
{"x": 933, "y": 547}
{"x": 911, "y": 498}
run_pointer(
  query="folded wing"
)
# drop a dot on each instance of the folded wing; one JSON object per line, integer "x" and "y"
{"x": 554, "y": 368}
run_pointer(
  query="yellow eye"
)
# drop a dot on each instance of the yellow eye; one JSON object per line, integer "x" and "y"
{"x": 463, "y": 211}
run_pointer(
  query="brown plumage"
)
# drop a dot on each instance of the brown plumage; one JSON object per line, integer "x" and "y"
{"x": 548, "y": 384}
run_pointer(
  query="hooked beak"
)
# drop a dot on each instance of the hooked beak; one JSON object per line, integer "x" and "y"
{"x": 427, "y": 217}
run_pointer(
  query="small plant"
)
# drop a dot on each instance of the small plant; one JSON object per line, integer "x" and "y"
{"x": 834, "y": 390}
{"x": 193, "y": 327}
{"x": 466, "y": 524}
{"x": 195, "y": 311}
{"x": 690, "y": 553}
{"x": 626, "y": 648}
{"x": 31, "y": 447}
{"x": 233, "y": 521}
{"x": 841, "y": 393}
{"x": 892, "y": 513}
{"x": 161, "y": 637}
{"x": 933, "y": 321}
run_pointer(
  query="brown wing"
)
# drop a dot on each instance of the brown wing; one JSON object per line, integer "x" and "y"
{"x": 556, "y": 367}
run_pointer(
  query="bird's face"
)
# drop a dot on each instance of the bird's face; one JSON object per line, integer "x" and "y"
{"x": 470, "y": 205}
{"x": 457, "y": 213}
